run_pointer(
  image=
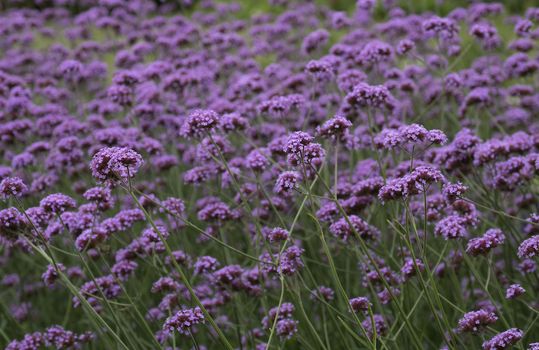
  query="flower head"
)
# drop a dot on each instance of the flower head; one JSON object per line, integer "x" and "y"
{"x": 12, "y": 187}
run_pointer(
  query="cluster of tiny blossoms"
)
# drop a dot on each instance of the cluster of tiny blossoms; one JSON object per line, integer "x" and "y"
{"x": 197, "y": 175}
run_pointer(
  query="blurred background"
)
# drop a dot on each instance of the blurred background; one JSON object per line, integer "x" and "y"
{"x": 250, "y": 7}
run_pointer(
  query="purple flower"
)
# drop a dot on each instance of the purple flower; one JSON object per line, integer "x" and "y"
{"x": 334, "y": 128}
{"x": 124, "y": 269}
{"x": 287, "y": 182}
{"x": 404, "y": 46}
{"x": 374, "y": 52}
{"x": 57, "y": 203}
{"x": 409, "y": 268}
{"x": 199, "y": 122}
{"x": 11, "y": 222}
{"x": 413, "y": 183}
{"x": 529, "y": 247}
{"x": 51, "y": 275}
{"x": 286, "y": 328}
{"x": 70, "y": 69}
{"x": 12, "y": 187}
{"x": 364, "y": 95}
{"x": 101, "y": 196}
{"x": 109, "y": 163}
{"x": 343, "y": 230}
{"x": 474, "y": 321}
{"x": 165, "y": 284}
{"x": 451, "y": 227}
{"x": 297, "y": 141}
{"x": 206, "y": 264}
{"x": 285, "y": 311}
{"x": 233, "y": 121}
{"x": 105, "y": 284}
{"x": 444, "y": 28}
{"x": 360, "y": 304}
{"x": 61, "y": 338}
{"x": 276, "y": 234}
{"x": 184, "y": 320}
{"x": 514, "y": 291}
{"x": 504, "y": 340}
{"x": 409, "y": 135}
{"x": 484, "y": 244}
{"x": 323, "y": 292}
{"x": 256, "y": 160}
{"x": 174, "y": 206}
{"x": 125, "y": 162}
{"x": 290, "y": 261}
{"x": 379, "y": 325}
{"x": 453, "y": 192}
{"x": 486, "y": 34}
{"x": 314, "y": 40}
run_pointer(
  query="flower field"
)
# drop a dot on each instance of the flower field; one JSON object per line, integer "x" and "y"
{"x": 269, "y": 175}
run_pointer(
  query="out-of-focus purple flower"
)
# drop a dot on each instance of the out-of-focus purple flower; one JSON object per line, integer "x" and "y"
{"x": 297, "y": 141}
{"x": 286, "y": 328}
{"x": 444, "y": 28}
{"x": 513, "y": 291}
{"x": 453, "y": 192}
{"x": 344, "y": 228}
{"x": 276, "y": 234}
{"x": 206, "y": 264}
{"x": 364, "y": 95}
{"x": 314, "y": 40}
{"x": 379, "y": 325}
{"x": 199, "y": 122}
{"x": 334, "y": 128}
{"x": 101, "y": 196}
{"x": 111, "y": 163}
{"x": 529, "y": 247}
{"x": 413, "y": 183}
{"x": 413, "y": 134}
{"x": 504, "y": 340}
{"x": 256, "y": 160}
{"x": 360, "y": 304}
{"x": 57, "y": 203}
{"x": 409, "y": 268}
{"x": 174, "y": 206}
{"x": 451, "y": 227}
{"x": 287, "y": 182}
{"x": 51, "y": 274}
{"x": 323, "y": 292}
{"x": 474, "y": 321}
{"x": 184, "y": 320}
{"x": 12, "y": 187}
{"x": 486, "y": 34}
{"x": 404, "y": 46}
{"x": 484, "y": 244}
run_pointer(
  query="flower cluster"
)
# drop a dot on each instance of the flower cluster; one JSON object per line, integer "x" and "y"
{"x": 284, "y": 175}
{"x": 184, "y": 320}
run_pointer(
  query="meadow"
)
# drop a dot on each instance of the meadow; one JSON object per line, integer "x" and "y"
{"x": 269, "y": 175}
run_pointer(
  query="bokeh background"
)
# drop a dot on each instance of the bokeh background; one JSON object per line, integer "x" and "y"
{"x": 252, "y": 7}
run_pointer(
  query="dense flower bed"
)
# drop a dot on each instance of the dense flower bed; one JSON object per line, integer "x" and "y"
{"x": 175, "y": 177}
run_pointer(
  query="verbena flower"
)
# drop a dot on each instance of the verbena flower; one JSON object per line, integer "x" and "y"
{"x": 184, "y": 320}
{"x": 504, "y": 340}
{"x": 12, "y": 187}
{"x": 199, "y": 122}
{"x": 513, "y": 291}
{"x": 484, "y": 244}
{"x": 360, "y": 304}
{"x": 113, "y": 163}
{"x": 529, "y": 247}
{"x": 474, "y": 321}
